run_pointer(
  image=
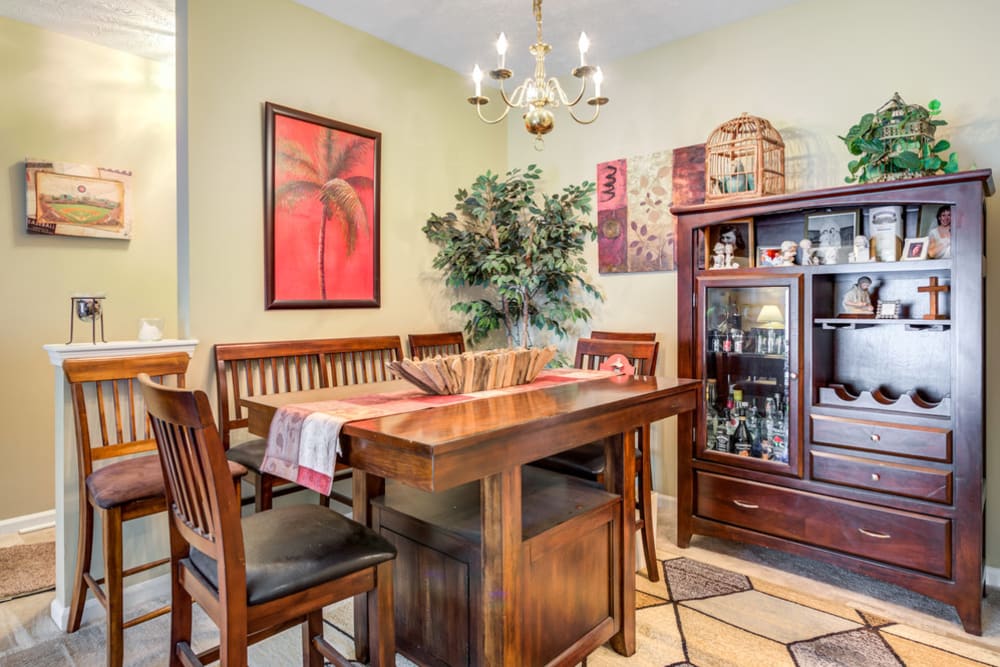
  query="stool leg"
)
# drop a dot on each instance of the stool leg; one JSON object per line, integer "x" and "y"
{"x": 111, "y": 521}
{"x": 180, "y": 611}
{"x": 84, "y": 551}
{"x": 313, "y": 627}
{"x": 381, "y": 627}
{"x": 645, "y": 508}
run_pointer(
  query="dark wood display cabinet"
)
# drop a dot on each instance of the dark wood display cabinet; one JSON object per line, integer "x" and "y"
{"x": 854, "y": 438}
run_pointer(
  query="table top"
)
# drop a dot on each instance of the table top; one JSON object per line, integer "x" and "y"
{"x": 443, "y": 446}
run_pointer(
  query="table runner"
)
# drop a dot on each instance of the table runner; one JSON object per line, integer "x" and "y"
{"x": 304, "y": 438}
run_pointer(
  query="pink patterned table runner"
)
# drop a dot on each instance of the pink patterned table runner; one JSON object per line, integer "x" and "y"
{"x": 304, "y": 439}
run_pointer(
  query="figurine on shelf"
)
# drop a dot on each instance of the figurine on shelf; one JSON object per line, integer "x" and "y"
{"x": 722, "y": 256}
{"x": 861, "y": 252}
{"x": 858, "y": 302}
{"x": 788, "y": 251}
{"x": 808, "y": 256}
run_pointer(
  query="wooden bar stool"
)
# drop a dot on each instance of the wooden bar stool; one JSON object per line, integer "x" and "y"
{"x": 111, "y": 425}
{"x": 425, "y": 346}
{"x": 587, "y": 461}
{"x": 262, "y": 574}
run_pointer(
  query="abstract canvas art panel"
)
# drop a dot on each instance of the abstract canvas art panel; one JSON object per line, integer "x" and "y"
{"x": 635, "y": 230}
{"x": 321, "y": 207}
{"x": 68, "y": 199}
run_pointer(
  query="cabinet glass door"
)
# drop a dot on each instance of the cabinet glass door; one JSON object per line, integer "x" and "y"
{"x": 748, "y": 339}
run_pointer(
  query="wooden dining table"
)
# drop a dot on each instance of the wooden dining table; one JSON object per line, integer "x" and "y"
{"x": 488, "y": 441}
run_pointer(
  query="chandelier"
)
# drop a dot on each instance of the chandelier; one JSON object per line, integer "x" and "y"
{"x": 537, "y": 96}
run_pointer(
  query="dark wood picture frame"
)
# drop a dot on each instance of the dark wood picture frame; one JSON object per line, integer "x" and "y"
{"x": 743, "y": 250}
{"x": 321, "y": 212}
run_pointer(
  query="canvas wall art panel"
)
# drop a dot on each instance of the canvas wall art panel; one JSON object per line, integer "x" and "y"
{"x": 69, "y": 199}
{"x": 635, "y": 227}
{"x": 321, "y": 207}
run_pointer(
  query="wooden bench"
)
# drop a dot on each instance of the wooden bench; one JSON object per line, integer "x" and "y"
{"x": 256, "y": 369}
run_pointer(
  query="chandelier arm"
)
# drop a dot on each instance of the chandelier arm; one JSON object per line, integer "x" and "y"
{"x": 554, "y": 82}
{"x": 597, "y": 112}
{"x": 479, "y": 110}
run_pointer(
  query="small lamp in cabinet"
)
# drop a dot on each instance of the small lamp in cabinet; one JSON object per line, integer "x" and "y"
{"x": 769, "y": 335}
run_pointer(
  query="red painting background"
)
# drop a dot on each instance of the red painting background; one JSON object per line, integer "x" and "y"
{"x": 296, "y": 230}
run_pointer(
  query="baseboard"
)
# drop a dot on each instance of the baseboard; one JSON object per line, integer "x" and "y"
{"x": 28, "y": 522}
{"x": 134, "y": 596}
{"x": 993, "y": 577}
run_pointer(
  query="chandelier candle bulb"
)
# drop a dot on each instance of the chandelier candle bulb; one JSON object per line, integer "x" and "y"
{"x": 584, "y": 45}
{"x": 598, "y": 78}
{"x": 501, "y": 51}
{"x": 477, "y": 76}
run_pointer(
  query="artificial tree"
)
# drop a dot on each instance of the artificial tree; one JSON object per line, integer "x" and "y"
{"x": 521, "y": 253}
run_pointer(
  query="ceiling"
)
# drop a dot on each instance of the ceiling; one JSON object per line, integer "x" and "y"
{"x": 454, "y": 33}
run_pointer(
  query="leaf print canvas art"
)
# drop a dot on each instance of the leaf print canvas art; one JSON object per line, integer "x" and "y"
{"x": 635, "y": 227}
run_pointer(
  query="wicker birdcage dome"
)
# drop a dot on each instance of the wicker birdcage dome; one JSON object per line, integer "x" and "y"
{"x": 744, "y": 157}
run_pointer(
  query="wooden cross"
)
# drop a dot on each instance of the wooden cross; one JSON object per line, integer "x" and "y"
{"x": 932, "y": 291}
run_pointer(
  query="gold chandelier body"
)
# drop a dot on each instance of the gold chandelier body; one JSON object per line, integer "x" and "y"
{"x": 538, "y": 95}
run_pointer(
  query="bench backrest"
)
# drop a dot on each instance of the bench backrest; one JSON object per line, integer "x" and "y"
{"x": 257, "y": 369}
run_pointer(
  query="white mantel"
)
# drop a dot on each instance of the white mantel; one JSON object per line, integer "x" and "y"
{"x": 142, "y": 541}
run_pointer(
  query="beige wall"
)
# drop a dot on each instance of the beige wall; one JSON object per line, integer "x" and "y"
{"x": 70, "y": 100}
{"x": 247, "y": 52}
{"x": 812, "y": 69}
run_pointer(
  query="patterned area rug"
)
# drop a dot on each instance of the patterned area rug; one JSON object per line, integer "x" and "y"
{"x": 697, "y": 615}
{"x": 700, "y": 615}
{"x": 27, "y": 568}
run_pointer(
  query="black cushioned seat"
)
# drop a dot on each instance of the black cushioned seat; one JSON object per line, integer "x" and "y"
{"x": 292, "y": 549}
{"x": 249, "y": 454}
{"x": 585, "y": 461}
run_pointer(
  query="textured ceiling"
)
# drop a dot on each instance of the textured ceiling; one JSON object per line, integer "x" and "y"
{"x": 141, "y": 27}
{"x": 454, "y": 33}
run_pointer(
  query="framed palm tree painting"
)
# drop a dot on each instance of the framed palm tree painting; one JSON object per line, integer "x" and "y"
{"x": 321, "y": 209}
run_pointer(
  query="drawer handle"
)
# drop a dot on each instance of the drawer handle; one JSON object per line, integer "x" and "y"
{"x": 880, "y": 536}
{"x": 876, "y": 477}
{"x": 876, "y": 437}
{"x": 746, "y": 506}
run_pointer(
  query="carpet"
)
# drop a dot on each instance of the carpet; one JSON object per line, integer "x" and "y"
{"x": 26, "y": 569}
{"x": 697, "y": 615}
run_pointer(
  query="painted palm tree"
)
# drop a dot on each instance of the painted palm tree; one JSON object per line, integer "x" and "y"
{"x": 327, "y": 178}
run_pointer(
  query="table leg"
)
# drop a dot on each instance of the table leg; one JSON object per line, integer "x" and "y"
{"x": 365, "y": 487}
{"x": 501, "y": 564}
{"x": 619, "y": 478}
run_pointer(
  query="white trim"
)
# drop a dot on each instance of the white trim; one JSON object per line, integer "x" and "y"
{"x": 121, "y": 348}
{"x": 28, "y": 522}
{"x": 993, "y": 576}
{"x": 133, "y": 596}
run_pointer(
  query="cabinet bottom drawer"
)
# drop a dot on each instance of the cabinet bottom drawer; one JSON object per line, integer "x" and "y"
{"x": 906, "y": 539}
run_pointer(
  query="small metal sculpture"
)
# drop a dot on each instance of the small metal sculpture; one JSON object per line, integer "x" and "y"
{"x": 87, "y": 309}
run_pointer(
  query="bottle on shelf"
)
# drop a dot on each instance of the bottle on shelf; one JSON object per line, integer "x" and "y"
{"x": 741, "y": 441}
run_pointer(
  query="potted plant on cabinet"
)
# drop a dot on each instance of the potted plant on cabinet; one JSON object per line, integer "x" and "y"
{"x": 520, "y": 251}
{"x": 897, "y": 141}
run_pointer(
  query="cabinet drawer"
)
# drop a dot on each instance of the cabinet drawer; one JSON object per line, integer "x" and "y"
{"x": 895, "y": 478}
{"x": 916, "y": 441}
{"x": 891, "y": 536}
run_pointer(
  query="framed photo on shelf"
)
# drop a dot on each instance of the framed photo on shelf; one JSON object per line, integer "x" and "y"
{"x": 768, "y": 255}
{"x": 915, "y": 248}
{"x": 832, "y": 234}
{"x": 738, "y": 236}
{"x": 888, "y": 310}
{"x": 321, "y": 212}
{"x": 935, "y": 224}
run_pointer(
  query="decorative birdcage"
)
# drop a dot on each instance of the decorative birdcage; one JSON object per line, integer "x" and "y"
{"x": 744, "y": 157}
{"x": 903, "y": 127}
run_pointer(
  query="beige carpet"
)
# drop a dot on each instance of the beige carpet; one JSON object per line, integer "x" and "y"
{"x": 27, "y": 568}
{"x": 699, "y": 614}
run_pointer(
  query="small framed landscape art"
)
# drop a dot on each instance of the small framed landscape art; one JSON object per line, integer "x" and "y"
{"x": 729, "y": 245}
{"x": 68, "y": 199}
{"x": 935, "y": 224}
{"x": 832, "y": 235}
{"x": 321, "y": 212}
{"x": 915, "y": 248}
